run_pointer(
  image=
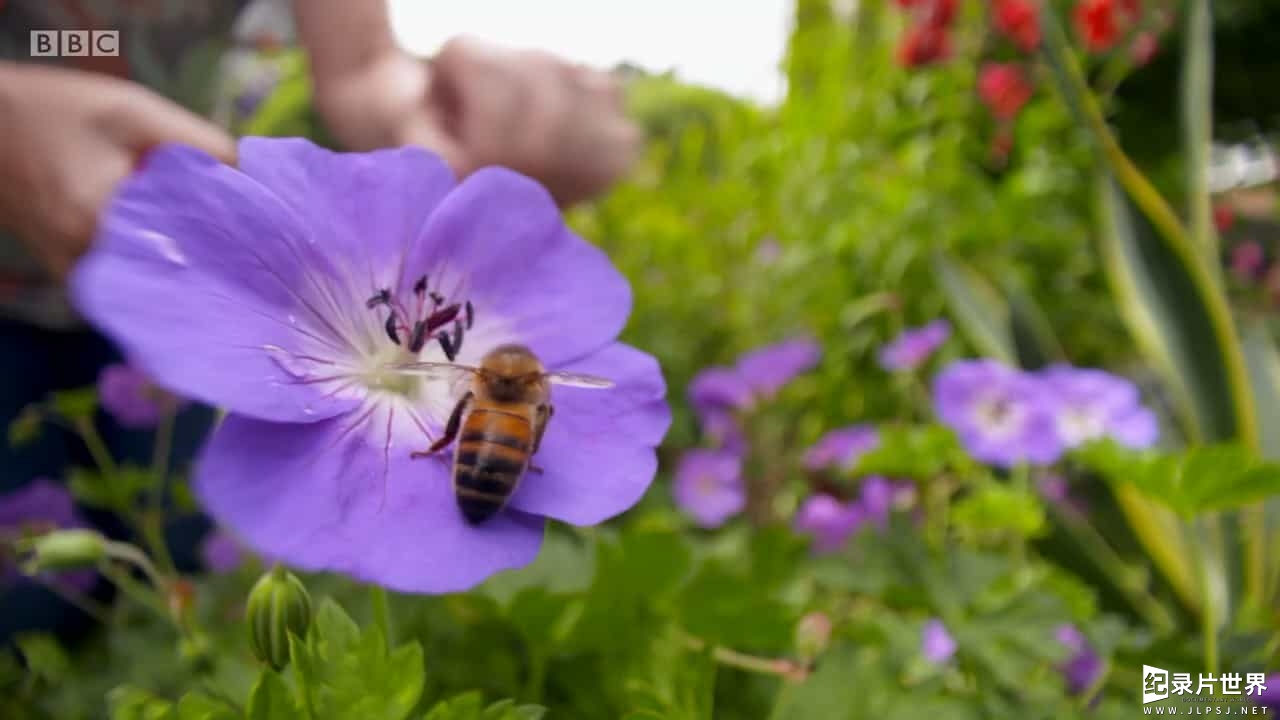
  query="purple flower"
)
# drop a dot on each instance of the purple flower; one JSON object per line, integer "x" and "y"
{"x": 1090, "y": 404}
{"x": 129, "y": 396}
{"x": 768, "y": 251}
{"x": 911, "y": 348}
{"x": 879, "y": 497}
{"x": 1269, "y": 695}
{"x": 828, "y": 521}
{"x": 220, "y": 552}
{"x": 708, "y": 486}
{"x": 936, "y": 644}
{"x": 1003, "y": 416}
{"x": 842, "y": 447}
{"x": 1084, "y": 665}
{"x": 34, "y": 509}
{"x": 1247, "y": 260}
{"x": 282, "y": 290}
{"x": 767, "y": 369}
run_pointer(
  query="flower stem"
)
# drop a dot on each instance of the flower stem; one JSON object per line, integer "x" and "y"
{"x": 381, "y": 612}
{"x": 153, "y": 519}
{"x": 97, "y": 449}
{"x": 782, "y": 667}
{"x": 1106, "y": 559}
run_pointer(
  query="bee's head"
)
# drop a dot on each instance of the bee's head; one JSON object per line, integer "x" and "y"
{"x": 511, "y": 372}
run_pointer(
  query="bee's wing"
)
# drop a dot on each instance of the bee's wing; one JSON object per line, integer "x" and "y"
{"x": 450, "y": 372}
{"x": 579, "y": 380}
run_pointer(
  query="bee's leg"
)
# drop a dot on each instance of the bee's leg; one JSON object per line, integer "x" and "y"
{"x": 545, "y": 411}
{"x": 450, "y": 430}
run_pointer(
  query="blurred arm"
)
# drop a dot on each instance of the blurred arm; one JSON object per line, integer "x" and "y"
{"x": 343, "y": 37}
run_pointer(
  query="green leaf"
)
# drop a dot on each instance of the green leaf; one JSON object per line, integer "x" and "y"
{"x": 1203, "y": 479}
{"x": 197, "y": 706}
{"x": 1264, "y": 371}
{"x": 849, "y": 684}
{"x": 1197, "y": 124}
{"x": 913, "y": 451}
{"x": 729, "y": 609}
{"x": 347, "y": 673}
{"x": 995, "y": 508}
{"x": 470, "y": 706}
{"x": 116, "y": 491}
{"x": 78, "y": 404}
{"x": 1033, "y": 338}
{"x": 45, "y": 658}
{"x": 1180, "y": 317}
{"x": 270, "y": 698}
{"x": 131, "y": 703}
{"x": 979, "y": 310}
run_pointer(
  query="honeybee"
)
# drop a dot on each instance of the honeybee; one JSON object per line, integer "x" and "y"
{"x": 501, "y": 420}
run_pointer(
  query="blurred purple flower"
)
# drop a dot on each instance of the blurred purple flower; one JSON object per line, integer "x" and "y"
{"x": 828, "y": 521}
{"x": 768, "y": 251}
{"x": 1002, "y": 416}
{"x": 34, "y": 509}
{"x": 879, "y": 497}
{"x": 221, "y": 552}
{"x": 1269, "y": 696}
{"x": 769, "y": 368}
{"x": 1247, "y": 260}
{"x": 718, "y": 393}
{"x": 842, "y": 447}
{"x": 130, "y": 397}
{"x": 282, "y": 289}
{"x": 936, "y": 644}
{"x": 1089, "y": 404}
{"x": 911, "y": 348}
{"x": 708, "y": 486}
{"x": 1083, "y": 666}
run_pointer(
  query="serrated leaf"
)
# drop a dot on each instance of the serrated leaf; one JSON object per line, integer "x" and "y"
{"x": 270, "y": 698}
{"x": 982, "y": 315}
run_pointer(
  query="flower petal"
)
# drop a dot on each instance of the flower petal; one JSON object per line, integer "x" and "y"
{"x": 598, "y": 452}
{"x": 197, "y": 273}
{"x": 502, "y": 231}
{"x": 364, "y": 209}
{"x": 329, "y": 496}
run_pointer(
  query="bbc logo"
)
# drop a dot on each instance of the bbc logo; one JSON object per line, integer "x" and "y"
{"x": 74, "y": 43}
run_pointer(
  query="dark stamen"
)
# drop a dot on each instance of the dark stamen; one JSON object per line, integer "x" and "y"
{"x": 392, "y": 331}
{"x": 471, "y": 315}
{"x": 419, "y": 336}
{"x": 442, "y": 317}
{"x": 446, "y": 346}
{"x": 437, "y": 298}
{"x": 383, "y": 297}
{"x": 420, "y": 287}
{"x": 457, "y": 335}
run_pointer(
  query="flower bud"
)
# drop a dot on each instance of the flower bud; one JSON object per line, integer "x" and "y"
{"x": 813, "y": 634}
{"x": 64, "y": 550}
{"x": 278, "y": 605}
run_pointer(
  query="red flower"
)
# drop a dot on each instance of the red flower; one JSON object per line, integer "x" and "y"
{"x": 939, "y": 12}
{"x": 1004, "y": 88}
{"x": 1144, "y": 48}
{"x": 924, "y": 44}
{"x": 1223, "y": 217}
{"x": 1100, "y": 23}
{"x": 1018, "y": 20}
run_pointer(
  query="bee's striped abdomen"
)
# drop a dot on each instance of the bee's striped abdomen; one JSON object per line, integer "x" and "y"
{"x": 493, "y": 450}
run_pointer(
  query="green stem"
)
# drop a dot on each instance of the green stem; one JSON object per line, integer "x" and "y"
{"x": 381, "y": 612}
{"x": 1106, "y": 559}
{"x": 97, "y": 449}
{"x": 137, "y": 591}
{"x": 153, "y": 521}
{"x": 1208, "y": 553}
{"x": 782, "y": 667}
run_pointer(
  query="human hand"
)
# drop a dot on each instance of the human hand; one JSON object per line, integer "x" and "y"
{"x": 67, "y": 138}
{"x": 477, "y": 104}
